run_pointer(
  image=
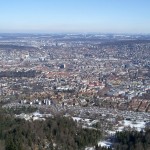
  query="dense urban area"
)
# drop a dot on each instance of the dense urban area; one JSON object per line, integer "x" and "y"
{"x": 88, "y": 91}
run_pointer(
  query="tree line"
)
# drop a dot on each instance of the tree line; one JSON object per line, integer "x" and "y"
{"x": 18, "y": 74}
{"x": 58, "y": 133}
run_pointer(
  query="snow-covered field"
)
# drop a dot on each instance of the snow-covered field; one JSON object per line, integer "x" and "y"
{"x": 137, "y": 125}
{"x": 33, "y": 116}
{"x": 89, "y": 148}
{"x": 86, "y": 121}
{"x": 104, "y": 144}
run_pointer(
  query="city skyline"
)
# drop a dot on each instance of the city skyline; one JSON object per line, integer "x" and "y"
{"x": 103, "y": 16}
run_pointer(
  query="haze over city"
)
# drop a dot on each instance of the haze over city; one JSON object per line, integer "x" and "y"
{"x": 53, "y": 16}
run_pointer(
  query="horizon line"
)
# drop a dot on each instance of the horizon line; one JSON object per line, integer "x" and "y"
{"x": 120, "y": 33}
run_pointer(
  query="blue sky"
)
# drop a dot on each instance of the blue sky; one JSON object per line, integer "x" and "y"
{"x": 106, "y": 16}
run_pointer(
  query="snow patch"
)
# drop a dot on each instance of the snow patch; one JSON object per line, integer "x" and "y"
{"x": 104, "y": 144}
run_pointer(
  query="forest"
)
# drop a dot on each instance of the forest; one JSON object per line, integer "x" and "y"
{"x": 62, "y": 133}
{"x": 130, "y": 140}
{"x": 57, "y": 133}
{"x": 133, "y": 140}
